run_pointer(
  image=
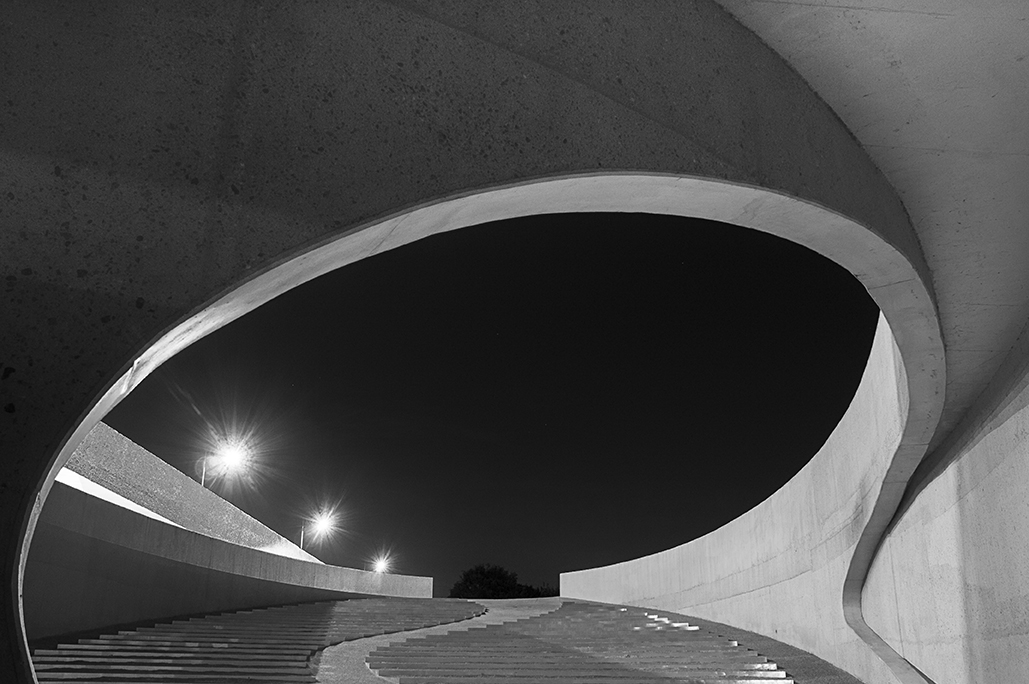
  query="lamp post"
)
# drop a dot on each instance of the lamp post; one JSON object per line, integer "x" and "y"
{"x": 321, "y": 524}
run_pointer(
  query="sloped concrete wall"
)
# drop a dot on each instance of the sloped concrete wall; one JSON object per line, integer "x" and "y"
{"x": 780, "y": 569}
{"x": 117, "y": 463}
{"x": 93, "y": 564}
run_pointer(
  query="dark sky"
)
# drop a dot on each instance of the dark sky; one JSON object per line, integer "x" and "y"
{"x": 546, "y": 394}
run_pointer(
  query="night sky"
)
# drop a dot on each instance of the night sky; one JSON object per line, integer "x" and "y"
{"x": 546, "y": 394}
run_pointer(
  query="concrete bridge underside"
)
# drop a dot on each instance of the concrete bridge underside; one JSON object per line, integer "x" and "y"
{"x": 165, "y": 168}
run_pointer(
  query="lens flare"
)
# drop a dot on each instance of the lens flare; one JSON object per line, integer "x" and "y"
{"x": 322, "y": 524}
{"x": 233, "y": 456}
{"x": 381, "y": 563}
{"x": 231, "y": 459}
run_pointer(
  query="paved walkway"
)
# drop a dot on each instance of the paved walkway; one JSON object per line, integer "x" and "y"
{"x": 346, "y": 662}
{"x": 579, "y": 643}
{"x": 436, "y": 641}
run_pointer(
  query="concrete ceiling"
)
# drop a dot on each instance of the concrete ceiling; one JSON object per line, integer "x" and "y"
{"x": 937, "y": 91}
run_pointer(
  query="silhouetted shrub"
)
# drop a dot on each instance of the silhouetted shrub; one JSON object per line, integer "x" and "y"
{"x": 488, "y": 581}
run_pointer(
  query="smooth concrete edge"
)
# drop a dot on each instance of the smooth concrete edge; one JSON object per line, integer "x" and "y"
{"x": 909, "y": 454}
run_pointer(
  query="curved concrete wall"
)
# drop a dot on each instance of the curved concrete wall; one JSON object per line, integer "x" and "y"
{"x": 949, "y": 588}
{"x": 115, "y": 462}
{"x": 95, "y": 564}
{"x": 165, "y": 168}
{"x": 780, "y": 569}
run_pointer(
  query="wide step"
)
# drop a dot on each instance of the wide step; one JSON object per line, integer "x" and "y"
{"x": 266, "y": 645}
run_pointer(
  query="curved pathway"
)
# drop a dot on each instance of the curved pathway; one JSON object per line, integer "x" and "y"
{"x": 347, "y": 662}
{"x": 564, "y": 641}
{"x": 435, "y": 641}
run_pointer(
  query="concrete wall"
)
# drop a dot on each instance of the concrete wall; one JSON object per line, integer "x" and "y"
{"x": 780, "y": 569}
{"x": 165, "y": 167}
{"x": 115, "y": 462}
{"x": 94, "y": 564}
{"x": 949, "y": 588}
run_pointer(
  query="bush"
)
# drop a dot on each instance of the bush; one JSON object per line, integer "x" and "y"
{"x": 488, "y": 581}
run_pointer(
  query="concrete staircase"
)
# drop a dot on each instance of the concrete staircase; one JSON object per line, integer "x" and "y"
{"x": 266, "y": 645}
{"x": 579, "y": 643}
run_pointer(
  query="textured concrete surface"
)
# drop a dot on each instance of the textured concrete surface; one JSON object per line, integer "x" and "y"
{"x": 164, "y": 168}
{"x": 94, "y": 564}
{"x": 112, "y": 460}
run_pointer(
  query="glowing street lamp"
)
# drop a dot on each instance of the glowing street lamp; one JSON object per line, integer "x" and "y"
{"x": 381, "y": 563}
{"x": 322, "y": 524}
{"x": 231, "y": 458}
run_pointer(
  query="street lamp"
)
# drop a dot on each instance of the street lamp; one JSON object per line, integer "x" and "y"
{"x": 381, "y": 563}
{"x": 322, "y": 524}
{"x": 230, "y": 458}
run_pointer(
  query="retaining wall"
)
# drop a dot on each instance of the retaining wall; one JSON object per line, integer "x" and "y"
{"x": 93, "y": 564}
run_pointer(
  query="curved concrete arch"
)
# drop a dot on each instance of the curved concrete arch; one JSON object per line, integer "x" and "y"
{"x": 164, "y": 169}
{"x": 887, "y": 274}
